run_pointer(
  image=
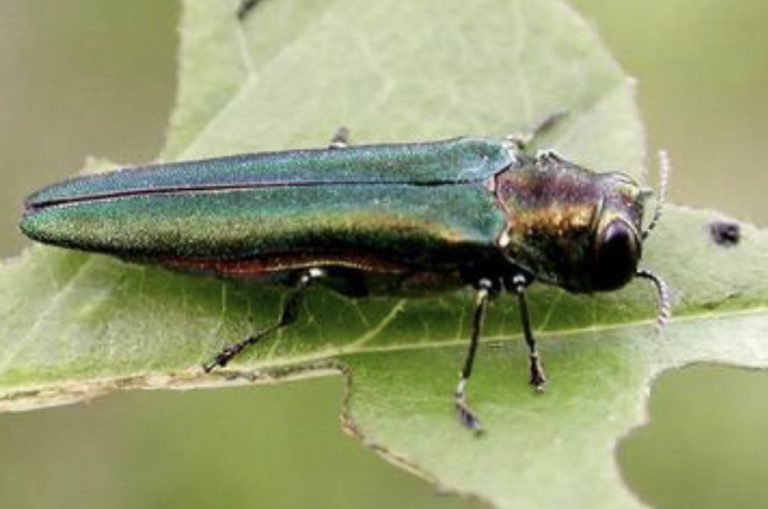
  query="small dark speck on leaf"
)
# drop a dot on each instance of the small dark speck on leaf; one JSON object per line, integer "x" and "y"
{"x": 725, "y": 233}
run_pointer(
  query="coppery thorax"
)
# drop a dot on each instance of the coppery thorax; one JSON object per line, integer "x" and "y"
{"x": 552, "y": 208}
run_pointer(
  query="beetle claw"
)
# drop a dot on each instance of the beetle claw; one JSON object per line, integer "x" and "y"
{"x": 467, "y": 417}
{"x": 538, "y": 379}
{"x": 223, "y": 357}
{"x": 538, "y": 385}
{"x": 217, "y": 362}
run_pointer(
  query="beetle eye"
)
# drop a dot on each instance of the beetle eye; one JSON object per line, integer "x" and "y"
{"x": 616, "y": 257}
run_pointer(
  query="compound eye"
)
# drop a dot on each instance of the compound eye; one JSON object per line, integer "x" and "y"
{"x": 616, "y": 257}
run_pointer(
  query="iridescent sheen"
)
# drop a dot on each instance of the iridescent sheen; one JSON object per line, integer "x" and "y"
{"x": 455, "y": 208}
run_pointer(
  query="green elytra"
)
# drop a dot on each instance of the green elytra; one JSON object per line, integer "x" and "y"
{"x": 370, "y": 219}
{"x": 393, "y": 201}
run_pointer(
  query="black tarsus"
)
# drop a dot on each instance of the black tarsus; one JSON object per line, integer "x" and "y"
{"x": 467, "y": 416}
{"x": 537, "y": 378}
{"x": 245, "y": 7}
{"x": 340, "y": 138}
{"x": 548, "y": 123}
{"x": 289, "y": 312}
{"x": 525, "y": 140}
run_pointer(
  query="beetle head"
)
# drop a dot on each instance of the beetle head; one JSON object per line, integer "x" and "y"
{"x": 577, "y": 229}
{"x": 572, "y": 227}
{"x": 617, "y": 244}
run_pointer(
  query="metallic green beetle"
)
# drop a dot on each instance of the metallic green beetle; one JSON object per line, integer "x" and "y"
{"x": 409, "y": 218}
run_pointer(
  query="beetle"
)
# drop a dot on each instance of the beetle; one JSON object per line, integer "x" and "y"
{"x": 380, "y": 219}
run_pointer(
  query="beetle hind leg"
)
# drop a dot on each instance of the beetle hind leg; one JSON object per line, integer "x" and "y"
{"x": 340, "y": 138}
{"x": 466, "y": 415}
{"x": 288, "y": 315}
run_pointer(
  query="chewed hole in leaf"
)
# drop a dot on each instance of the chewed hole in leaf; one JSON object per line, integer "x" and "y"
{"x": 704, "y": 444}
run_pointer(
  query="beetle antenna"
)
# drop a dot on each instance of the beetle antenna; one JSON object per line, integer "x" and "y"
{"x": 664, "y": 169}
{"x": 663, "y": 292}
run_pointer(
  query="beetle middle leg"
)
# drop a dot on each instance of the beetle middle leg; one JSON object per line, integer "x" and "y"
{"x": 467, "y": 416}
{"x": 288, "y": 315}
{"x": 245, "y": 7}
{"x": 537, "y": 377}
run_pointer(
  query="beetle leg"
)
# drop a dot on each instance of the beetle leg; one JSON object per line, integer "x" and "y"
{"x": 288, "y": 315}
{"x": 245, "y": 7}
{"x": 466, "y": 416}
{"x": 340, "y": 138}
{"x": 525, "y": 140}
{"x": 537, "y": 377}
{"x": 549, "y": 154}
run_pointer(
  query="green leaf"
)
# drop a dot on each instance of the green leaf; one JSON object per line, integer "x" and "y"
{"x": 77, "y": 325}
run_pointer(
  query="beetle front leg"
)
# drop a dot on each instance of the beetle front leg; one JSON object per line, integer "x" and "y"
{"x": 537, "y": 377}
{"x": 467, "y": 416}
{"x": 524, "y": 141}
{"x": 288, "y": 315}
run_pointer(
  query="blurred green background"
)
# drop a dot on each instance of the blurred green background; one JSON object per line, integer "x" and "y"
{"x": 82, "y": 77}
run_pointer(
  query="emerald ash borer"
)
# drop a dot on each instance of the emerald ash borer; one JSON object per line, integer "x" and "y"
{"x": 410, "y": 218}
